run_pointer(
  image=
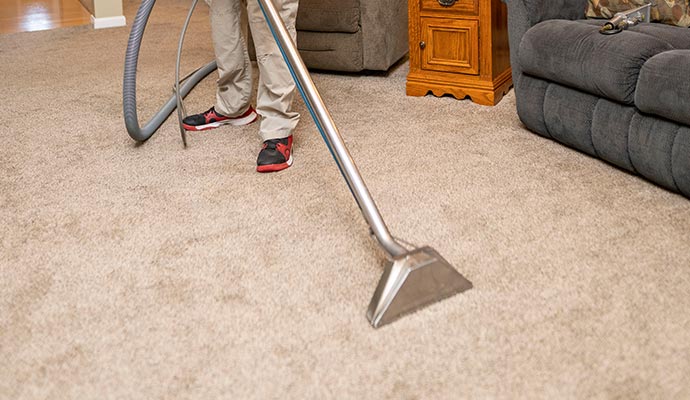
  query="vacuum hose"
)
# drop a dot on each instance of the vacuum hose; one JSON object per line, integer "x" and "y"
{"x": 129, "y": 87}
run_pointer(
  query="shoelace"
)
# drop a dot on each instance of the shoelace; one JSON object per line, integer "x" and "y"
{"x": 210, "y": 113}
{"x": 271, "y": 144}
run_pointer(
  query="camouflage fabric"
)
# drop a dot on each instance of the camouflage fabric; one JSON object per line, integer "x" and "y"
{"x": 672, "y": 12}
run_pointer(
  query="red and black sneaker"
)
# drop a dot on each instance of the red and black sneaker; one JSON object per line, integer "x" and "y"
{"x": 211, "y": 119}
{"x": 275, "y": 155}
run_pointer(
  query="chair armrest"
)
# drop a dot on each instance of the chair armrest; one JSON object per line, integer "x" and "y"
{"x": 523, "y": 14}
{"x": 542, "y": 10}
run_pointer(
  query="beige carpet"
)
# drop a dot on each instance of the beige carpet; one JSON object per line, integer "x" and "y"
{"x": 155, "y": 272}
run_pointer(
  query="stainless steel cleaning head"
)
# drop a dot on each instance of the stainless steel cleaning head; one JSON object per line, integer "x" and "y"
{"x": 412, "y": 281}
{"x": 414, "y": 278}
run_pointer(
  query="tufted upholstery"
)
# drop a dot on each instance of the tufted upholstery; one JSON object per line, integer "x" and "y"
{"x": 623, "y": 98}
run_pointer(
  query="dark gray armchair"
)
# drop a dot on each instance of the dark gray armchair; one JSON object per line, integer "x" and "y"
{"x": 351, "y": 35}
{"x": 623, "y": 98}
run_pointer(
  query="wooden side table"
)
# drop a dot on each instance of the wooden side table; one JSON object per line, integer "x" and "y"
{"x": 459, "y": 47}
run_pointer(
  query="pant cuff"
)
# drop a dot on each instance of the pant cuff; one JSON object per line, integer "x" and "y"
{"x": 275, "y": 135}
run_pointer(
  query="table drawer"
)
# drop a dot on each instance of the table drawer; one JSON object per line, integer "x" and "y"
{"x": 466, "y": 7}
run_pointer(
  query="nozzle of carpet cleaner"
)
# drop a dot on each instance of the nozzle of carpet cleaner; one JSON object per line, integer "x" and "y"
{"x": 624, "y": 20}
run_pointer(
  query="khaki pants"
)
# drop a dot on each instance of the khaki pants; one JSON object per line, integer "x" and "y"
{"x": 276, "y": 87}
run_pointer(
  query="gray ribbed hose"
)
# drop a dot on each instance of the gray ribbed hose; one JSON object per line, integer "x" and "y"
{"x": 129, "y": 87}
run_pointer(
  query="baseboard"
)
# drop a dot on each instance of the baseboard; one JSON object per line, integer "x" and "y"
{"x": 108, "y": 22}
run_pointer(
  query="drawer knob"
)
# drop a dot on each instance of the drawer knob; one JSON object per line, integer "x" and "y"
{"x": 422, "y": 45}
{"x": 446, "y": 3}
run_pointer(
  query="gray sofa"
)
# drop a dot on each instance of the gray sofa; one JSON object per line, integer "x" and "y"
{"x": 623, "y": 98}
{"x": 351, "y": 35}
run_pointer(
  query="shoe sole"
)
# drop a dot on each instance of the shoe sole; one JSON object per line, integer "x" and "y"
{"x": 233, "y": 122}
{"x": 274, "y": 167}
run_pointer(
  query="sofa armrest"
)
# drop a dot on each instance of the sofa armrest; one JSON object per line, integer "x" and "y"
{"x": 384, "y": 32}
{"x": 523, "y": 14}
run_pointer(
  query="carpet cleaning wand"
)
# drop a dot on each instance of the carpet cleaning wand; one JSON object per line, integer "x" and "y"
{"x": 413, "y": 278}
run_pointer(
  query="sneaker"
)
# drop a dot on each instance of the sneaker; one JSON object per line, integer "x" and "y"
{"x": 275, "y": 155}
{"x": 211, "y": 119}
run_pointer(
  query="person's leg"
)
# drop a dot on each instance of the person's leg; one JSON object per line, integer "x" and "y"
{"x": 276, "y": 88}
{"x": 234, "y": 85}
{"x": 229, "y": 32}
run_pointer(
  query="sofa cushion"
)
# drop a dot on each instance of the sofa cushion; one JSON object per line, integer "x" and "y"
{"x": 651, "y": 144}
{"x": 664, "y": 88}
{"x": 672, "y": 12}
{"x": 575, "y": 54}
{"x": 328, "y": 16}
{"x": 332, "y": 51}
{"x": 678, "y": 38}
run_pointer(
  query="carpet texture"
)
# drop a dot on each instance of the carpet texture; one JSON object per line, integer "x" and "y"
{"x": 156, "y": 272}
